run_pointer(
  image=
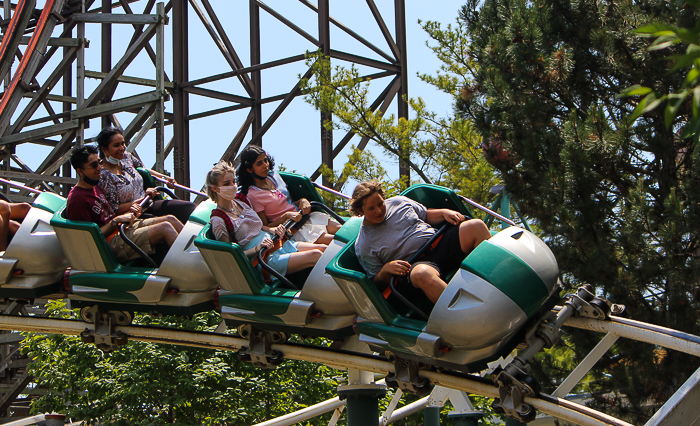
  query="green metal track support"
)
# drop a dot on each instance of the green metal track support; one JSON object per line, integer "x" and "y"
{"x": 503, "y": 203}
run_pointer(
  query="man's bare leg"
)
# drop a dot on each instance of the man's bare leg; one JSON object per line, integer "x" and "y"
{"x": 172, "y": 220}
{"x": 19, "y": 210}
{"x": 4, "y": 224}
{"x": 471, "y": 233}
{"x": 428, "y": 279}
{"x": 162, "y": 231}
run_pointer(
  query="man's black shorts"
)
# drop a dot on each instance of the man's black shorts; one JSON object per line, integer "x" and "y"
{"x": 445, "y": 257}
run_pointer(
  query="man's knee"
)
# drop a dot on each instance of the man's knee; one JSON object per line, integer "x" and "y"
{"x": 167, "y": 227}
{"x": 20, "y": 210}
{"x": 158, "y": 231}
{"x": 174, "y": 222}
{"x": 423, "y": 274}
{"x": 473, "y": 231}
{"x": 4, "y": 209}
{"x": 476, "y": 225}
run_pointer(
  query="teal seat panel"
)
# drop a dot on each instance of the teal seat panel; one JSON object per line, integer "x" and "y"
{"x": 49, "y": 201}
{"x": 398, "y": 338}
{"x": 74, "y": 249}
{"x": 127, "y": 279}
{"x": 262, "y": 305}
{"x": 300, "y": 186}
{"x": 346, "y": 267}
{"x": 349, "y": 231}
{"x": 234, "y": 253}
{"x": 437, "y": 197}
{"x": 148, "y": 180}
{"x": 88, "y": 243}
{"x": 112, "y": 297}
{"x": 202, "y": 213}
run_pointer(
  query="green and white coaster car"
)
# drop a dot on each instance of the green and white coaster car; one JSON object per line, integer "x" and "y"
{"x": 181, "y": 285}
{"x": 319, "y": 308}
{"x": 246, "y": 301}
{"x": 483, "y": 313}
{"x": 34, "y": 263}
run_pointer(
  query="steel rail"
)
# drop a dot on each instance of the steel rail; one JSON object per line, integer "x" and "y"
{"x": 18, "y": 185}
{"x": 27, "y": 63}
{"x": 335, "y": 403}
{"x": 487, "y": 210}
{"x": 13, "y": 35}
{"x": 642, "y": 332}
{"x": 332, "y": 191}
{"x": 340, "y": 360}
{"x": 305, "y": 413}
{"x": 183, "y": 187}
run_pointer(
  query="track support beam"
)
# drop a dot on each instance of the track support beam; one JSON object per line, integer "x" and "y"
{"x": 362, "y": 396}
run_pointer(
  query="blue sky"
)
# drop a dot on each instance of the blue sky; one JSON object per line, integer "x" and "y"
{"x": 294, "y": 138}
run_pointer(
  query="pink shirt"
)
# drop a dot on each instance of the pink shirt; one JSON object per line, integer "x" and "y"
{"x": 271, "y": 202}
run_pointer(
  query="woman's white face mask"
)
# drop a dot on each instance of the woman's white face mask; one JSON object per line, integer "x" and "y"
{"x": 112, "y": 160}
{"x": 228, "y": 192}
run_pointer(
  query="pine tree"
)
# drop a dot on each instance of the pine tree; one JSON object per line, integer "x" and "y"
{"x": 617, "y": 199}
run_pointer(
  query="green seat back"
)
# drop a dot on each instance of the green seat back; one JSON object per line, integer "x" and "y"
{"x": 210, "y": 247}
{"x": 346, "y": 267}
{"x": 300, "y": 186}
{"x": 87, "y": 249}
{"x": 202, "y": 213}
{"x": 148, "y": 180}
{"x": 49, "y": 201}
{"x": 349, "y": 231}
{"x": 437, "y": 197}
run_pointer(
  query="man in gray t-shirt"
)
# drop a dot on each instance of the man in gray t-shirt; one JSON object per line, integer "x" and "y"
{"x": 394, "y": 229}
{"x": 403, "y": 231}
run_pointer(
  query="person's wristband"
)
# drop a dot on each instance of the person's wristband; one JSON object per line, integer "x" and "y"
{"x": 114, "y": 223}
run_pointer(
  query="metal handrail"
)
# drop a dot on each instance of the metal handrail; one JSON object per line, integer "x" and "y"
{"x": 167, "y": 191}
{"x": 332, "y": 191}
{"x": 487, "y": 210}
{"x": 20, "y": 186}
{"x": 183, "y": 187}
{"x": 136, "y": 248}
{"x": 328, "y": 210}
{"x": 465, "y": 199}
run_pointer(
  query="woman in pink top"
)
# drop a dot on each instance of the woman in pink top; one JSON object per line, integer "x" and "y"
{"x": 269, "y": 200}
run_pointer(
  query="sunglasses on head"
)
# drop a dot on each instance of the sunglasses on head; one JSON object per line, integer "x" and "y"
{"x": 94, "y": 164}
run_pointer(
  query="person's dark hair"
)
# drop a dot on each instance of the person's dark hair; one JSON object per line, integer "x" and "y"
{"x": 360, "y": 194}
{"x": 80, "y": 156}
{"x": 105, "y": 136}
{"x": 243, "y": 177}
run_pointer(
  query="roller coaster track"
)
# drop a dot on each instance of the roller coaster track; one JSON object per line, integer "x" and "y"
{"x": 14, "y": 33}
{"x": 342, "y": 360}
{"x": 32, "y": 56}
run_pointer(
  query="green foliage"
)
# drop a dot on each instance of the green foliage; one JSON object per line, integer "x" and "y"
{"x": 616, "y": 198}
{"x": 444, "y": 151}
{"x": 152, "y": 384}
{"x": 668, "y": 36}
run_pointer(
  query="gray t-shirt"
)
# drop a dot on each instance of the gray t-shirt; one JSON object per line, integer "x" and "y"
{"x": 402, "y": 233}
